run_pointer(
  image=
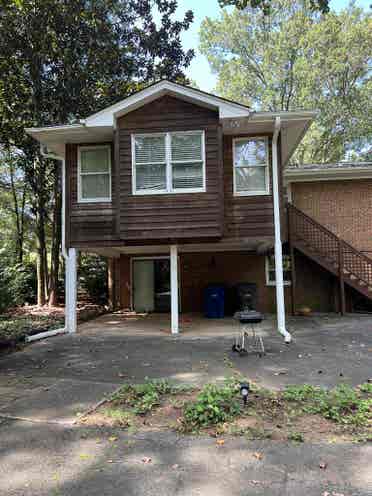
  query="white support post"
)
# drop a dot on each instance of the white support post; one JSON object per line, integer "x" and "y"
{"x": 280, "y": 306}
{"x": 70, "y": 290}
{"x": 174, "y": 288}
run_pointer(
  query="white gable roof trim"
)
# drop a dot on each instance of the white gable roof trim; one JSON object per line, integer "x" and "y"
{"x": 108, "y": 116}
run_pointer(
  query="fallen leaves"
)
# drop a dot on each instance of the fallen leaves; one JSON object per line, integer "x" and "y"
{"x": 258, "y": 456}
{"x": 112, "y": 439}
{"x": 220, "y": 442}
{"x": 323, "y": 465}
{"x": 146, "y": 459}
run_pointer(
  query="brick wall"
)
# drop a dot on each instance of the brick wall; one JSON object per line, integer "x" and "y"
{"x": 344, "y": 207}
{"x": 197, "y": 270}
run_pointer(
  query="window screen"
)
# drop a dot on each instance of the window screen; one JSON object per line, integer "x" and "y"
{"x": 95, "y": 173}
{"x": 251, "y": 166}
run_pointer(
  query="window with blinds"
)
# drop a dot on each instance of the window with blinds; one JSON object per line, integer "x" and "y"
{"x": 251, "y": 166}
{"x": 168, "y": 162}
{"x": 94, "y": 167}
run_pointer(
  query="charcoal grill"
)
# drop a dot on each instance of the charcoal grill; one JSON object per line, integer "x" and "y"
{"x": 248, "y": 318}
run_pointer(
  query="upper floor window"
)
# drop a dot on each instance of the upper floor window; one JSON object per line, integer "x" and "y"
{"x": 94, "y": 173}
{"x": 251, "y": 166}
{"x": 168, "y": 162}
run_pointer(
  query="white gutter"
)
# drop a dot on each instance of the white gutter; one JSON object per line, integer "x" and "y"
{"x": 328, "y": 174}
{"x": 280, "y": 307}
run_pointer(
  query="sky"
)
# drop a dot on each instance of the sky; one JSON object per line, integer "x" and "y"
{"x": 199, "y": 68}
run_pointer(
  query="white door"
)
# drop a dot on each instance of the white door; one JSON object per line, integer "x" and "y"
{"x": 143, "y": 285}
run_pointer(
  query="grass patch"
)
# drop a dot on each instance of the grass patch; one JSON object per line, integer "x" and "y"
{"x": 343, "y": 404}
{"x": 298, "y": 414}
{"x": 297, "y": 437}
{"x": 214, "y": 404}
{"x": 17, "y": 327}
{"x": 142, "y": 398}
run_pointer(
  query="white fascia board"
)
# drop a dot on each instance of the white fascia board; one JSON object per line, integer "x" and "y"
{"x": 327, "y": 174}
{"x": 108, "y": 116}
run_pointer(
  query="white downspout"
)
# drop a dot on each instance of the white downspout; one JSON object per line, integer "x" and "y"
{"x": 280, "y": 306}
{"x": 62, "y": 330}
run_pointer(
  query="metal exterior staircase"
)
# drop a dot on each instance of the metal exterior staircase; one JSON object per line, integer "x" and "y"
{"x": 331, "y": 252}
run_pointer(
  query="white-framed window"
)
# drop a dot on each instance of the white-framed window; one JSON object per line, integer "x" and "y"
{"x": 270, "y": 270}
{"x": 171, "y": 162}
{"x": 251, "y": 166}
{"x": 94, "y": 173}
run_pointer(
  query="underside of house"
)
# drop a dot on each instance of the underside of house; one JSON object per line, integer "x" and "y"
{"x": 194, "y": 197}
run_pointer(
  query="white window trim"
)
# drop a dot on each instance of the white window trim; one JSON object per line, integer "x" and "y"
{"x": 168, "y": 164}
{"x": 94, "y": 200}
{"x": 267, "y": 166}
{"x": 272, "y": 283}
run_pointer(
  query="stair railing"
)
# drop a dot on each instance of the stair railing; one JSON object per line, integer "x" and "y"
{"x": 343, "y": 256}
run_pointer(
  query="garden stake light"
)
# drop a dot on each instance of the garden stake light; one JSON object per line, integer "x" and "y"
{"x": 244, "y": 391}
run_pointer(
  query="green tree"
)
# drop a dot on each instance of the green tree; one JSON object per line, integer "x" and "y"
{"x": 61, "y": 60}
{"x": 297, "y": 58}
{"x": 266, "y": 5}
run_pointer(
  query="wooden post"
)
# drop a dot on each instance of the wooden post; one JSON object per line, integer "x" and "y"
{"x": 341, "y": 278}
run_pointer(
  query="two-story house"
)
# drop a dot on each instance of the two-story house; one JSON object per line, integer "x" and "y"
{"x": 180, "y": 188}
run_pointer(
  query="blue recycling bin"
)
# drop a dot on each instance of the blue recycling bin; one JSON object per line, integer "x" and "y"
{"x": 214, "y": 301}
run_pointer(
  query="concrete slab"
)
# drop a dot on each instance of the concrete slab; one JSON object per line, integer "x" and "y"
{"x": 326, "y": 350}
{"x": 44, "y": 459}
{"x": 60, "y": 402}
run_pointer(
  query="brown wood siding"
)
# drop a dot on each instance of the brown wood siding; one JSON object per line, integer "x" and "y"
{"x": 87, "y": 222}
{"x": 245, "y": 216}
{"x": 178, "y": 215}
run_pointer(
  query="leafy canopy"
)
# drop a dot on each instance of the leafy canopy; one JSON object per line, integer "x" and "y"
{"x": 266, "y": 5}
{"x": 296, "y": 58}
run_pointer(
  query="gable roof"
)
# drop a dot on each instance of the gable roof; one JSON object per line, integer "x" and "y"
{"x": 226, "y": 108}
{"x": 235, "y": 118}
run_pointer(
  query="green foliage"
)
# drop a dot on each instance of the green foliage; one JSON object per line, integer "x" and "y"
{"x": 295, "y": 58}
{"x": 93, "y": 277}
{"x": 343, "y": 404}
{"x": 17, "y": 285}
{"x": 15, "y": 328}
{"x": 120, "y": 417}
{"x": 297, "y": 437}
{"x": 214, "y": 404}
{"x": 266, "y": 5}
{"x": 142, "y": 398}
{"x": 366, "y": 387}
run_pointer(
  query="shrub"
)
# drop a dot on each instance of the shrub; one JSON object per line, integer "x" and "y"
{"x": 93, "y": 277}
{"x": 17, "y": 285}
{"x": 214, "y": 404}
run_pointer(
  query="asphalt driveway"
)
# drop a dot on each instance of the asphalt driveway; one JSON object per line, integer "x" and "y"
{"x": 46, "y": 386}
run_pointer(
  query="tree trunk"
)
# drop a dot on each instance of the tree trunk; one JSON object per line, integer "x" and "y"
{"x": 56, "y": 239}
{"x": 41, "y": 254}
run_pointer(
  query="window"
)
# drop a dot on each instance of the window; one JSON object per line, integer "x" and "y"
{"x": 94, "y": 166}
{"x": 270, "y": 270}
{"x": 251, "y": 166}
{"x": 168, "y": 163}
